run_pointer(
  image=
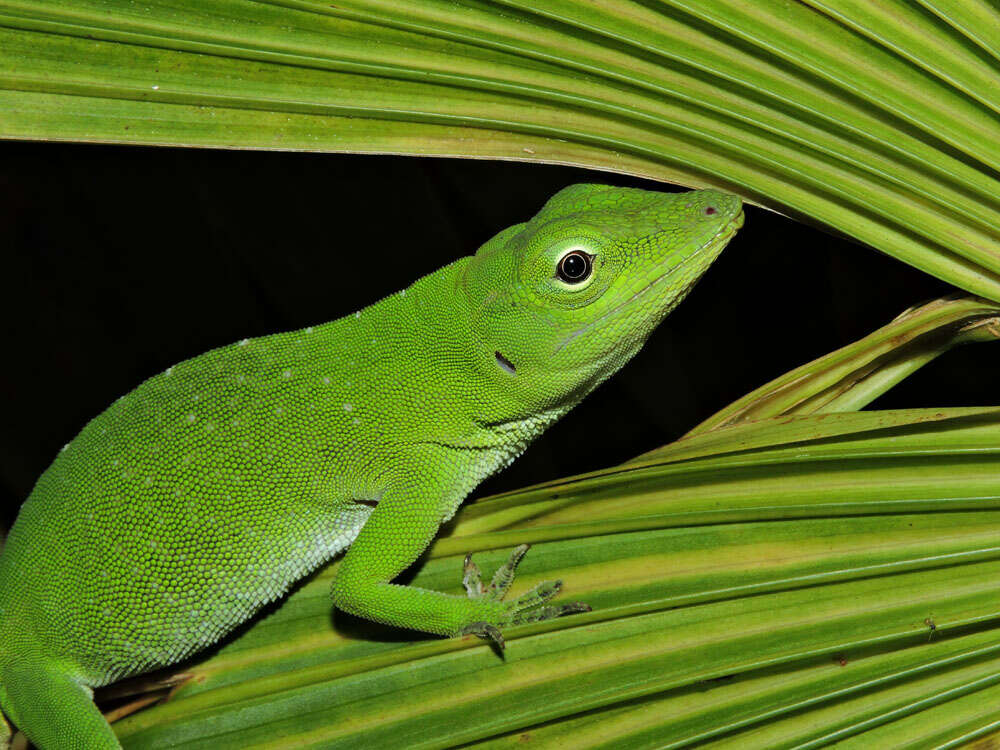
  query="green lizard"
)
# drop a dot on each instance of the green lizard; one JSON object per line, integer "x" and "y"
{"x": 211, "y": 488}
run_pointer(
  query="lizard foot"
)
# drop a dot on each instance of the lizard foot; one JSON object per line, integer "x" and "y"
{"x": 529, "y": 607}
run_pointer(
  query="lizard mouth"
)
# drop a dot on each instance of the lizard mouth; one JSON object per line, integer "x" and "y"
{"x": 715, "y": 243}
{"x": 726, "y": 233}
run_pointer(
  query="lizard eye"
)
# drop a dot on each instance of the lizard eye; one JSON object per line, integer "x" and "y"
{"x": 574, "y": 267}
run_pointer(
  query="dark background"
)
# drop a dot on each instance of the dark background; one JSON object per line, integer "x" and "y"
{"x": 120, "y": 261}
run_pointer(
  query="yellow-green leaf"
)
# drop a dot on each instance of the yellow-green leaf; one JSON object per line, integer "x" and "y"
{"x": 880, "y": 121}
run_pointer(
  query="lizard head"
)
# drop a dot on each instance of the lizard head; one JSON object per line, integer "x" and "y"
{"x": 561, "y": 302}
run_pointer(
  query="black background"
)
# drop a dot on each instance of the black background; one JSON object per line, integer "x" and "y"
{"x": 120, "y": 261}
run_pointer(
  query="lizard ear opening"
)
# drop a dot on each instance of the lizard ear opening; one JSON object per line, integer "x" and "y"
{"x": 505, "y": 364}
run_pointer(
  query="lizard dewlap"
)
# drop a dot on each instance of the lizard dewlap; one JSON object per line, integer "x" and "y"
{"x": 211, "y": 488}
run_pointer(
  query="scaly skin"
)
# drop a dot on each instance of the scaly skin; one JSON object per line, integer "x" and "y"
{"x": 211, "y": 488}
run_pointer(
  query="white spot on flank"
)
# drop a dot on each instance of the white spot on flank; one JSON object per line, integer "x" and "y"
{"x": 156, "y": 88}
{"x": 402, "y": 292}
{"x": 357, "y": 314}
{"x": 326, "y": 380}
{"x": 309, "y": 329}
{"x": 169, "y": 371}
{"x": 244, "y": 342}
{"x": 191, "y": 418}
{"x": 357, "y": 421}
{"x": 348, "y": 407}
{"x": 279, "y": 411}
{"x": 61, "y": 450}
{"x": 286, "y": 374}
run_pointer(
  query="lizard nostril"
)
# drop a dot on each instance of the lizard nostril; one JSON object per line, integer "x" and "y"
{"x": 709, "y": 210}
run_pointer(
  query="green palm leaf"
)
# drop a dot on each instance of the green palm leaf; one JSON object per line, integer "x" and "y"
{"x": 880, "y": 121}
{"x": 722, "y": 600}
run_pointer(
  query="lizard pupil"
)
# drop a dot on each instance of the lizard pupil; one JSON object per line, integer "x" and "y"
{"x": 574, "y": 267}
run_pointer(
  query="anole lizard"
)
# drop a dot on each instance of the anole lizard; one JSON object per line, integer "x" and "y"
{"x": 207, "y": 491}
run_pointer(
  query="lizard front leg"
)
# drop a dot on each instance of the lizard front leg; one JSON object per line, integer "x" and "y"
{"x": 398, "y": 531}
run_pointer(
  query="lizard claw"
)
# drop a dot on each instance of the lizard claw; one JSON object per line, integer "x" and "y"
{"x": 485, "y": 631}
{"x": 549, "y": 613}
{"x": 472, "y": 579}
{"x": 529, "y": 607}
{"x": 504, "y": 576}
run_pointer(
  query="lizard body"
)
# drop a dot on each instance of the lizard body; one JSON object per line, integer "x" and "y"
{"x": 207, "y": 491}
